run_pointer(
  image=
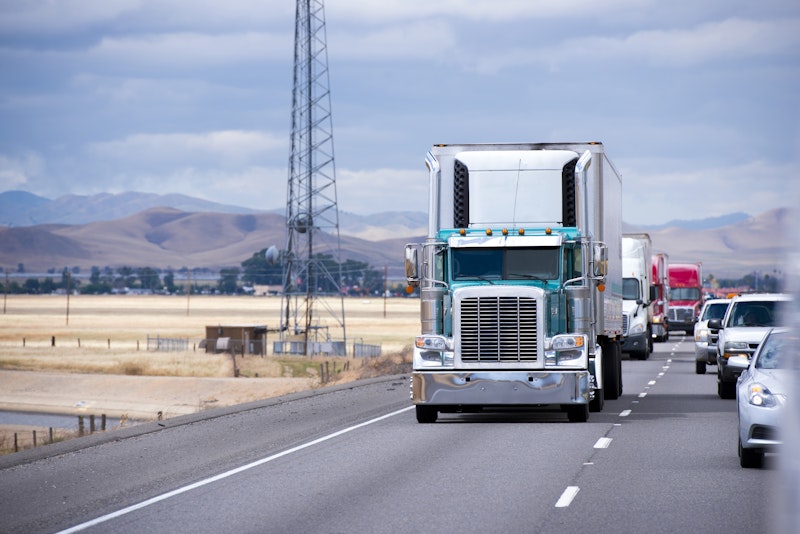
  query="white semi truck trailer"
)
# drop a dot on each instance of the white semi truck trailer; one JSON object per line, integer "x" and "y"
{"x": 638, "y": 295}
{"x": 520, "y": 280}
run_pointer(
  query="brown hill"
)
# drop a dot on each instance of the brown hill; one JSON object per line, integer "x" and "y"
{"x": 170, "y": 238}
{"x": 759, "y": 243}
{"x": 166, "y": 238}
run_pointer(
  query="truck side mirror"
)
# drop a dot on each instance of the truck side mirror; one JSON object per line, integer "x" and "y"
{"x": 653, "y": 293}
{"x": 600, "y": 260}
{"x": 715, "y": 324}
{"x": 412, "y": 265}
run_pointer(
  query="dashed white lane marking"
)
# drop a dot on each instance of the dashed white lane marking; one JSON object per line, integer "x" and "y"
{"x": 602, "y": 443}
{"x": 643, "y": 394}
{"x": 624, "y": 413}
{"x": 566, "y": 497}
{"x": 651, "y": 383}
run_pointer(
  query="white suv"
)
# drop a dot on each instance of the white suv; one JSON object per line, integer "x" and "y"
{"x": 705, "y": 339}
{"x": 747, "y": 321}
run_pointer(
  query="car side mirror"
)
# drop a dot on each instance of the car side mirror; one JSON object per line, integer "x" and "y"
{"x": 738, "y": 362}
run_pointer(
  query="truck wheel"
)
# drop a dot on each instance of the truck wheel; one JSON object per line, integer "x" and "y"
{"x": 596, "y": 405}
{"x": 578, "y": 413}
{"x": 649, "y": 344}
{"x": 700, "y": 367}
{"x": 426, "y": 414}
{"x": 612, "y": 370}
{"x": 726, "y": 390}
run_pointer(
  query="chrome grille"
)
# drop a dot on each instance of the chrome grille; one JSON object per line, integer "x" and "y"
{"x": 625, "y": 321}
{"x": 498, "y": 329}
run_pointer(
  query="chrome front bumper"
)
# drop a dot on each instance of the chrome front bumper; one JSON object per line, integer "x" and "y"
{"x": 500, "y": 388}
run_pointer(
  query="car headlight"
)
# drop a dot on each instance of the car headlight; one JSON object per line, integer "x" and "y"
{"x": 567, "y": 350}
{"x": 637, "y": 329}
{"x": 759, "y": 395}
{"x": 701, "y": 334}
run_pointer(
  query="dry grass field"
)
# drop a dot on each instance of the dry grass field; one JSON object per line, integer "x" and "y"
{"x": 91, "y": 352}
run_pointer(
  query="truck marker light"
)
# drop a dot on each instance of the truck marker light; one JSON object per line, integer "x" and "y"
{"x": 601, "y": 287}
{"x": 521, "y": 231}
{"x": 462, "y": 232}
{"x": 488, "y": 231}
{"x": 548, "y": 231}
{"x": 505, "y": 231}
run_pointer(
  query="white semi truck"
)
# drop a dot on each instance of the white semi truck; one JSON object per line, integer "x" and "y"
{"x": 638, "y": 294}
{"x": 520, "y": 280}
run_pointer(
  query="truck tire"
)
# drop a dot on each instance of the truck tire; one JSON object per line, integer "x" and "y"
{"x": 596, "y": 405}
{"x": 699, "y": 367}
{"x": 426, "y": 414}
{"x": 726, "y": 390}
{"x": 578, "y": 413}
{"x": 612, "y": 369}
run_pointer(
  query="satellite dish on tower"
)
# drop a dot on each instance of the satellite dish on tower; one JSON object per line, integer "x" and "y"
{"x": 272, "y": 255}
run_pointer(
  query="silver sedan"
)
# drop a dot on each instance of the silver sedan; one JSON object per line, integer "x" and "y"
{"x": 761, "y": 395}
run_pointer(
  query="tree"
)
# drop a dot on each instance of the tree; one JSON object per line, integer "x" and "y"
{"x": 256, "y": 270}
{"x": 228, "y": 281}
{"x": 148, "y": 278}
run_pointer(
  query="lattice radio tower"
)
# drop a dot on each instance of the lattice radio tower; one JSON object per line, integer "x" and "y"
{"x": 312, "y": 276}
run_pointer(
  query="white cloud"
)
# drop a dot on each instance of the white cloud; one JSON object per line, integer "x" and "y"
{"x": 231, "y": 147}
{"x": 700, "y": 191}
{"x": 192, "y": 49}
{"x": 17, "y": 172}
{"x": 726, "y": 40}
{"x": 55, "y": 15}
{"x": 376, "y": 190}
{"x": 487, "y": 10}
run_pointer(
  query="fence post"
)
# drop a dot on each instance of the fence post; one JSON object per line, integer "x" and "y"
{"x": 34, "y": 439}
{"x": 103, "y": 422}
{"x": 51, "y": 434}
{"x": 80, "y": 425}
{"x": 91, "y": 424}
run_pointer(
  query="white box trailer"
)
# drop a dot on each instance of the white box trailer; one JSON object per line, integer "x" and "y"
{"x": 520, "y": 279}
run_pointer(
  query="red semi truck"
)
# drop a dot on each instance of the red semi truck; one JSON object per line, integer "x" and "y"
{"x": 685, "y": 295}
{"x": 660, "y": 263}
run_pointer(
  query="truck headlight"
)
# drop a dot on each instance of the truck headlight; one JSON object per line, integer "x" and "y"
{"x": 567, "y": 351}
{"x": 637, "y": 329}
{"x": 432, "y": 351}
{"x": 735, "y": 348}
{"x": 431, "y": 342}
{"x": 701, "y": 334}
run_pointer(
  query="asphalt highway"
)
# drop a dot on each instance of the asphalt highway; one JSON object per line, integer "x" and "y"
{"x": 661, "y": 458}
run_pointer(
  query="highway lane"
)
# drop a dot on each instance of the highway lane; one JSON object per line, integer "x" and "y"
{"x": 662, "y": 458}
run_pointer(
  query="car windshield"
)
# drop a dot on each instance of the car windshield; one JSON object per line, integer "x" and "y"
{"x": 753, "y": 313}
{"x": 773, "y": 353}
{"x": 715, "y": 311}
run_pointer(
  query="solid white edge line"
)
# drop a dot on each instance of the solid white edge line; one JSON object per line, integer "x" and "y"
{"x": 226, "y": 474}
{"x": 567, "y": 497}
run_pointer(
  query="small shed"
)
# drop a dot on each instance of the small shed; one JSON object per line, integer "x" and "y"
{"x": 239, "y": 339}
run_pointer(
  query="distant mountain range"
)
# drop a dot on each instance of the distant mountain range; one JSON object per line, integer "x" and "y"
{"x": 174, "y": 231}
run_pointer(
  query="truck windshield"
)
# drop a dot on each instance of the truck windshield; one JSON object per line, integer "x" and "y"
{"x": 630, "y": 289}
{"x": 505, "y": 263}
{"x": 684, "y": 293}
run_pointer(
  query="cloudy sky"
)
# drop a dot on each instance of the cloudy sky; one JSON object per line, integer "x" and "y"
{"x": 696, "y": 102}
